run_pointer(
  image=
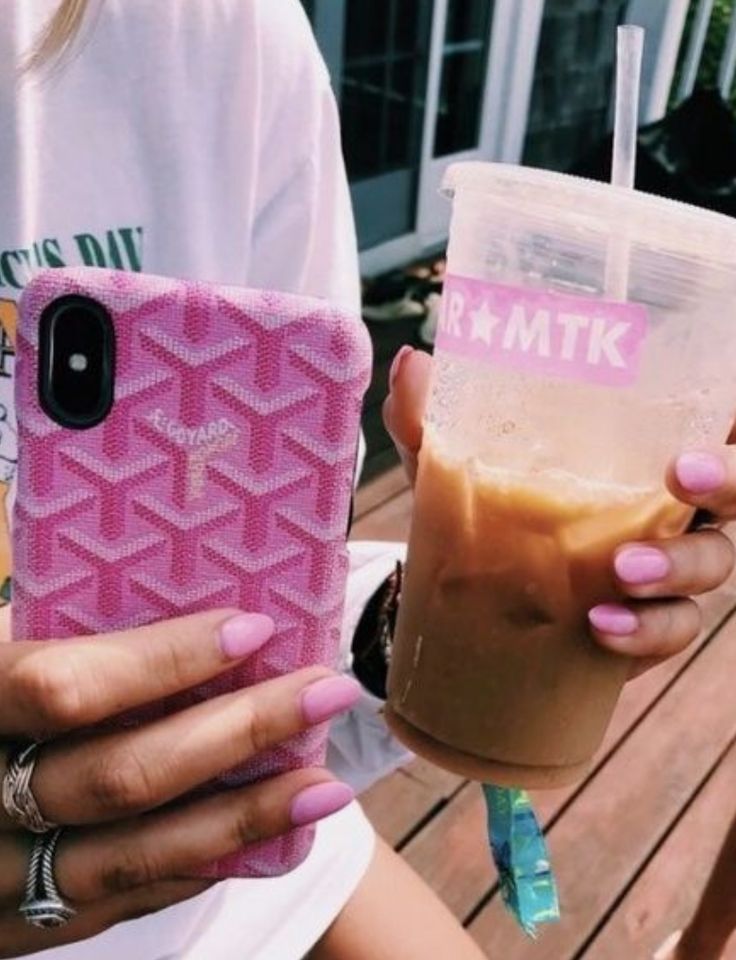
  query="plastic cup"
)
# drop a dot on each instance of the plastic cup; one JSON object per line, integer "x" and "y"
{"x": 553, "y": 413}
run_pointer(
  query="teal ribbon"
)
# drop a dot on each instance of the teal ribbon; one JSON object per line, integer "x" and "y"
{"x": 520, "y": 852}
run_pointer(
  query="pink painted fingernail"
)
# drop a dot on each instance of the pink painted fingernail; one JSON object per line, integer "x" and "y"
{"x": 614, "y": 619}
{"x": 244, "y": 634}
{"x": 326, "y": 698}
{"x": 396, "y": 365}
{"x": 640, "y": 565}
{"x": 700, "y": 472}
{"x": 320, "y": 801}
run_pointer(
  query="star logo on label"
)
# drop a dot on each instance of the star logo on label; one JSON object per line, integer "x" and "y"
{"x": 484, "y": 323}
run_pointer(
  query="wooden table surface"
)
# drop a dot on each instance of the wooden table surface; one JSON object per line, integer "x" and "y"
{"x": 632, "y": 845}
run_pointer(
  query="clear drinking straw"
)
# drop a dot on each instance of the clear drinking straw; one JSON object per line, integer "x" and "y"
{"x": 629, "y": 48}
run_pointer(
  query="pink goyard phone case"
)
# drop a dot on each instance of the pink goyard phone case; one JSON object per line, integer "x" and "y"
{"x": 221, "y": 476}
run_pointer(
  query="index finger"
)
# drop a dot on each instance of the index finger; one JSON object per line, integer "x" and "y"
{"x": 48, "y": 688}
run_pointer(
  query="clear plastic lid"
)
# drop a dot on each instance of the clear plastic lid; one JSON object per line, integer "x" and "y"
{"x": 679, "y": 227}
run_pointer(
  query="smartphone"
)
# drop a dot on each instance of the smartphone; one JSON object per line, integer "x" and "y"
{"x": 185, "y": 446}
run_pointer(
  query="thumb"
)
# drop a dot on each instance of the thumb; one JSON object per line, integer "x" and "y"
{"x": 403, "y": 410}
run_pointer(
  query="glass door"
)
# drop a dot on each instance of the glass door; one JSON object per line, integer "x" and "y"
{"x": 422, "y": 83}
{"x": 462, "y": 77}
{"x": 483, "y": 58}
{"x": 382, "y": 99}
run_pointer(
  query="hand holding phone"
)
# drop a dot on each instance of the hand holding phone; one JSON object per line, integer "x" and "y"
{"x": 125, "y": 850}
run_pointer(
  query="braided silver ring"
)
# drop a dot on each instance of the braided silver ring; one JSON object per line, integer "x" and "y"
{"x": 43, "y": 905}
{"x": 17, "y": 796}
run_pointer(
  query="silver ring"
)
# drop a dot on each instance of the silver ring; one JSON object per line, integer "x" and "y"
{"x": 18, "y": 800}
{"x": 43, "y": 905}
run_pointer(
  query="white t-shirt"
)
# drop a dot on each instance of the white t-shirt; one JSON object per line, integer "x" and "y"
{"x": 193, "y": 138}
{"x": 185, "y": 138}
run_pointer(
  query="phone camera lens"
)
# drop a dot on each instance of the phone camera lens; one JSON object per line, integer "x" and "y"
{"x": 77, "y": 362}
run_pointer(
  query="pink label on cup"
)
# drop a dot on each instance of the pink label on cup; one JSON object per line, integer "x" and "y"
{"x": 549, "y": 334}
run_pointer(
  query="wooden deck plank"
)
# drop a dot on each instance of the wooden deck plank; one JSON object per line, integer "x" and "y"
{"x": 451, "y": 852}
{"x": 460, "y": 870}
{"x": 390, "y": 522}
{"x": 665, "y": 896}
{"x": 446, "y": 850}
{"x": 397, "y": 804}
{"x": 376, "y": 493}
{"x": 614, "y": 825}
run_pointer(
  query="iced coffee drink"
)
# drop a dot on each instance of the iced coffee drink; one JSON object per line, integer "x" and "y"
{"x": 495, "y": 674}
{"x": 556, "y": 404}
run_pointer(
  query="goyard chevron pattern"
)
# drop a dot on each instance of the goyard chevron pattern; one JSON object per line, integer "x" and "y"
{"x": 221, "y": 477}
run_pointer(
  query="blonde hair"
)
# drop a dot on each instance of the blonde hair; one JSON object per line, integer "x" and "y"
{"x": 58, "y": 35}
